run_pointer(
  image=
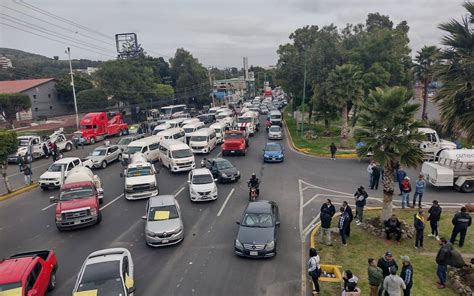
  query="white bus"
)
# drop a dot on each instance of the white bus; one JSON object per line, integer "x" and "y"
{"x": 169, "y": 112}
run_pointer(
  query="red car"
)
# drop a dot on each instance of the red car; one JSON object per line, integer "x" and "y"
{"x": 28, "y": 274}
{"x": 235, "y": 142}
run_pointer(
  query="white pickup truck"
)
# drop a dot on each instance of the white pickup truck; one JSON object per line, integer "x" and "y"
{"x": 140, "y": 178}
{"x": 454, "y": 168}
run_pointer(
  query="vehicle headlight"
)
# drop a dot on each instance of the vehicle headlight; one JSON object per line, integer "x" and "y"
{"x": 93, "y": 212}
{"x": 178, "y": 230}
{"x": 214, "y": 190}
{"x": 281, "y": 155}
{"x": 238, "y": 245}
{"x": 191, "y": 188}
{"x": 59, "y": 217}
{"x": 224, "y": 175}
{"x": 270, "y": 245}
{"x": 238, "y": 173}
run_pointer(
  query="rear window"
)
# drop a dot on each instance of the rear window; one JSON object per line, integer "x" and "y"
{"x": 103, "y": 277}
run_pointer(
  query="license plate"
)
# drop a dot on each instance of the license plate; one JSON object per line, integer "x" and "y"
{"x": 253, "y": 253}
{"x": 232, "y": 151}
{"x": 232, "y": 179}
{"x": 274, "y": 158}
{"x": 165, "y": 241}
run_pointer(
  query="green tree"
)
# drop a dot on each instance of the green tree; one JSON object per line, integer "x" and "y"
{"x": 11, "y": 104}
{"x": 8, "y": 145}
{"x": 389, "y": 130}
{"x": 64, "y": 87}
{"x": 92, "y": 100}
{"x": 425, "y": 63}
{"x": 344, "y": 88}
{"x": 456, "y": 96}
{"x": 164, "y": 91}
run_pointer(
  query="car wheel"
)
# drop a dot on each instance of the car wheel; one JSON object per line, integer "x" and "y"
{"x": 92, "y": 141}
{"x": 52, "y": 281}
{"x": 68, "y": 147}
{"x": 119, "y": 158}
{"x": 468, "y": 187}
{"x": 44, "y": 188}
{"x": 104, "y": 164}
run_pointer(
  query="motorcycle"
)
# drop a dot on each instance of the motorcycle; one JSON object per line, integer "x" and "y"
{"x": 253, "y": 194}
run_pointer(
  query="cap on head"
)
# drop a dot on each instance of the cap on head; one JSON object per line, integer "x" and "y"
{"x": 361, "y": 188}
{"x": 388, "y": 254}
{"x": 407, "y": 178}
{"x": 405, "y": 258}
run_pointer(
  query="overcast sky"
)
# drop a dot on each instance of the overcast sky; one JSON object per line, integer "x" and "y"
{"x": 217, "y": 32}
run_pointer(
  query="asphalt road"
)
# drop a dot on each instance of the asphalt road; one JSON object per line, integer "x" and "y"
{"x": 204, "y": 263}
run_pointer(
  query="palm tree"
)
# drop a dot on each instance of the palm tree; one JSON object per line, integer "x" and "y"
{"x": 344, "y": 86}
{"x": 388, "y": 129}
{"x": 425, "y": 63}
{"x": 456, "y": 96}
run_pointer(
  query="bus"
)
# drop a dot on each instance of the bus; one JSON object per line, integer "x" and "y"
{"x": 170, "y": 112}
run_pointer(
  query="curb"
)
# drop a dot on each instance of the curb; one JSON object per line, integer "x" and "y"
{"x": 306, "y": 151}
{"x": 19, "y": 191}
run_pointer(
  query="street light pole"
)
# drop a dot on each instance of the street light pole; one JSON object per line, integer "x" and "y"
{"x": 211, "y": 86}
{"x": 304, "y": 95}
{"x": 73, "y": 88}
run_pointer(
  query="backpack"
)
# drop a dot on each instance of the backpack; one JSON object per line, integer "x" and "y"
{"x": 455, "y": 260}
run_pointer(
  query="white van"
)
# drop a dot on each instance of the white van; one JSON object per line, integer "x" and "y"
{"x": 203, "y": 140}
{"x": 275, "y": 117}
{"x": 191, "y": 128}
{"x": 176, "y": 133}
{"x": 219, "y": 128}
{"x": 190, "y": 120}
{"x": 177, "y": 122}
{"x": 148, "y": 146}
{"x": 161, "y": 127}
{"x": 176, "y": 156}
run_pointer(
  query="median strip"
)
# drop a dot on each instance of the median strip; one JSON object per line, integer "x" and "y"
{"x": 18, "y": 191}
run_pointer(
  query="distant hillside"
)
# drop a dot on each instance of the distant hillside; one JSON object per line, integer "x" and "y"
{"x": 29, "y": 65}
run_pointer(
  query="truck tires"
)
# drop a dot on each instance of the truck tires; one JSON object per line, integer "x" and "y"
{"x": 68, "y": 147}
{"x": 92, "y": 141}
{"x": 103, "y": 164}
{"x": 52, "y": 281}
{"x": 468, "y": 187}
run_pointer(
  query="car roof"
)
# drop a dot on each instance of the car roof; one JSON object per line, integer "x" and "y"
{"x": 273, "y": 144}
{"x": 12, "y": 270}
{"x": 105, "y": 147}
{"x": 203, "y": 132}
{"x": 66, "y": 160}
{"x": 105, "y": 255}
{"x": 219, "y": 159}
{"x": 162, "y": 200}
{"x": 260, "y": 206}
{"x": 193, "y": 124}
{"x": 201, "y": 171}
{"x": 175, "y": 144}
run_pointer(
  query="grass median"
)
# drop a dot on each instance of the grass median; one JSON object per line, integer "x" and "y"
{"x": 362, "y": 245}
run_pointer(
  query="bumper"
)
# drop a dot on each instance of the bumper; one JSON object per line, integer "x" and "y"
{"x": 161, "y": 242}
{"x": 12, "y": 159}
{"x": 200, "y": 149}
{"x": 233, "y": 152}
{"x": 141, "y": 195}
{"x": 254, "y": 254}
{"x": 175, "y": 168}
{"x": 273, "y": 159}
{"x": 199, "y": 197}
{"x": 49, "y": 184}
{"x": 274, "y": 137}
{"x": 77, "y": 223}
{"x": 229, "y": 179}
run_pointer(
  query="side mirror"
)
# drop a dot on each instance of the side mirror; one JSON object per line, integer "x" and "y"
{"x": 237, "y": 222}
{"x": 189, "y": 181}
{"x": 52, "y": 199}
{"x": 144, "y": 217}
{"x": 131, "y": 290}
{"x": 121, "y": 175}
{"x": 277, "y": 223}
{"x": 215, "y": 180}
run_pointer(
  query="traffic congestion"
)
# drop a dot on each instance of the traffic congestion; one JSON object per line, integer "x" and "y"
{"x": 204, "y": 152}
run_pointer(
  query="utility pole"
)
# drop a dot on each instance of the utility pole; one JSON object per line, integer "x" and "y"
{"x": 73, "y": 88}
{"x": 304, "y": 94}
{"x": 211, "y": 86}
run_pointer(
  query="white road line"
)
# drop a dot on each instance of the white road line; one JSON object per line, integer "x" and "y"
{"x": 308, "y": 228}
{"x": 225, "y": 202}
{"x": 301, "y": 210}
{"x": 111, "y": 202}
{"x": 310, "y": 200}
{"x": 219, "y": 154}
{"x": 45, "y": 208}
{"x": 179, "y": 191}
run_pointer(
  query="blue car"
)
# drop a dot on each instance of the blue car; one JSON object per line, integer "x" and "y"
{"x": 273, "y": 152}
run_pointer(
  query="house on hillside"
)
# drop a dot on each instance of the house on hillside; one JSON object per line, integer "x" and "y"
{"x": 5, "y": 63}
{"x": 45, "y": 101}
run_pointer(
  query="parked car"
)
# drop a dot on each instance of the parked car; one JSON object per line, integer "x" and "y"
{"x": 273, "y": 152}
{"x": 101, "y": 156}
{"x": 258, "y": 228}
{"x": 106, "y": 272}
{"x": 164, "y": 225}
{"x": 222, "y": 169}
{"x": 202, "y": 185}
{"x": 275, "y": 132}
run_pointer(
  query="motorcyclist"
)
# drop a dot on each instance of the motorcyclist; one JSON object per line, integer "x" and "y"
{"x": 254, "y": 182}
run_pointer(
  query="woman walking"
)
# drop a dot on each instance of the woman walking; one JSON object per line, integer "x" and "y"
{"x": 314, "y": 269}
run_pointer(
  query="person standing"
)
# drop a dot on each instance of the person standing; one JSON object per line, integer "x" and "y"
{"x": 45, "y": 150}
{"x": 406, "y": 189}
{"x": 385, "y": 263}
{"x": 407, "y": 274}
{"x": 348, "y": 210}
{"x": 314, "y": 269}
{"x": 82, "y": 141}
{"x": 376, "y": 171}
{"x": 343, "y": 224}
{"x": 369, "y": 171}
{"x": 27, "y": 173}
{"x": 333, "y": 150}
{"x": 434, "y": 218}
{"x": 419, "y": 223}
{"x": 75, "y": 142}
{"x": 393, "y": 284}
{"x": 375, "y": 277}
{"x": 360, "y": 201}
{"x": 328, "y": 207}
{"x": 21, "y": 163}
{"x": 444, "y": 253}
{"x": 420, "y": 186}
{"x": 461, "y": 221}
{"x": 401, "y": 174}
{"x": 325, "y": 232}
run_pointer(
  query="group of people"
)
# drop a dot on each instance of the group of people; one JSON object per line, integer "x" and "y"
{"x": 405, "y": 187}
{"x": 51, "y": 149}
{"x": 327, "y": 212}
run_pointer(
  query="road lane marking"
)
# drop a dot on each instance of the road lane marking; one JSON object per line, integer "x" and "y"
{"x": 45, "y": 208}
{"x": 219, "y": 154}
{"x": 301, "y": 209}
{"x": 308, "y": 228}
{"x": 310, "y": 200}
{"x": 225, "y": 202}
{"x": 111, "y": 202}
{"x": 179, "y": 191}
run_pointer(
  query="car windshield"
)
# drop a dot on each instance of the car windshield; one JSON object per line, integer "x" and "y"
{"x": 224, "y": 164}
{"x": 99, "y": 152}
{"x": 202, "y": 179}
{"x": 198, "y": 138}
{"x": 23, "y": 142}
{"x": 133, "y": 149}
{"x": 124, "y": 141}
{"x": 82, "y": 127}
{"x": 56, "y": 167}
{"x": 274, "y": 129}
{"x": 139, "y": 171}
{"x": 277, "y": 116}
{"x": 257, "y": 220}
{"x": 103, "y": 278}
{"x": 272, "y": 148}
{"x": 189, "y": 130}
{"x": 163, "y": 213}
{"x": 233, "y": 136}
{"x": 182, "y": 153}
{"x": 11, "y": 286}
{"x": 76, "y": 193}
{"x": 244, "y": 119}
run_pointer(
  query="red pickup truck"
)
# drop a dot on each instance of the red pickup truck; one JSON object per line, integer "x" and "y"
{"x": 28, "y": 274}
{"x": 234, "y": 142}
{"x": 96, "y": 126}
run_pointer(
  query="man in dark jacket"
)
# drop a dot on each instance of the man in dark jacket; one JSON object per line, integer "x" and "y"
{"x": 434, "y": 217}
{"x": 385, "y": 263}
{"x": 407, "y": 274}
{"x": 442, "y": 258}
{"x": 461, "y": 222}
{"x": 360, "y": 201}
{"x": 333, "y": 149}
{"x": 343, "y": 224}
{"x": 329, "y": 208}
{"x": 376, "y": 171}
{"x": 325, "y": 232}
{"x": 348, "y": 210}
{"x": 400, "y": 174}
{"x": 393, "y": 225}
{"x": 419, "y": 223}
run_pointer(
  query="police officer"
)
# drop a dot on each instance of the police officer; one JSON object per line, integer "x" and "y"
{"x": 461, "y": 221}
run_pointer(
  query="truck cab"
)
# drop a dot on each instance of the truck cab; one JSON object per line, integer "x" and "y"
{"x": 140, "y": 181}
{"x": 96, "y": 126}
{"x": 27, "y": 144}
{"x": 28, "y": 274}
{"x": 432, "y": 145}
{"x": 235, "y": 142}
{"x": 247, "y": 123}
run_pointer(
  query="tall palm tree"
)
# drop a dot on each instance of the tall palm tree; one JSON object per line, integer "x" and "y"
{"x": 388, "y": 129}
{"x": 344, "y": 86}
{"x": 425, "y": 63}
{"x": 456, "y": 95}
